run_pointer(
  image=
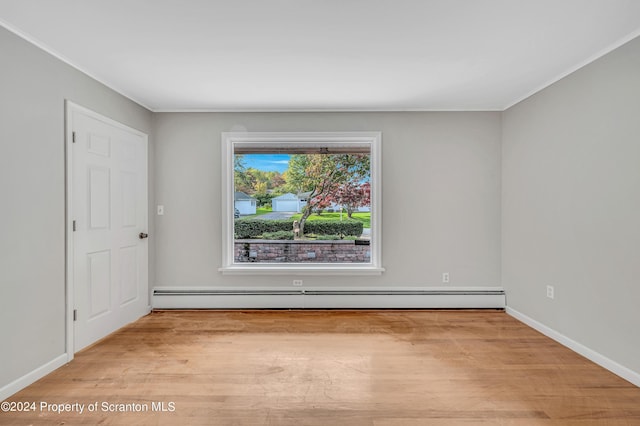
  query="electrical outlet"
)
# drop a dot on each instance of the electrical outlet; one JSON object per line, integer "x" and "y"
{"x": 160, "y": 210}
{"x": 297, "y": 283}
{"x": 550, "y": 291}
{"x": 445, "y": 277}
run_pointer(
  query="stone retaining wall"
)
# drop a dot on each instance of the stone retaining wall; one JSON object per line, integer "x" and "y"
{"x": 278, "y": 251}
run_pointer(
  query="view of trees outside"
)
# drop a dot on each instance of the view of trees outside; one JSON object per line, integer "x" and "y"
{"x": 260, "y": 184}
{"x": 329, "y": 181}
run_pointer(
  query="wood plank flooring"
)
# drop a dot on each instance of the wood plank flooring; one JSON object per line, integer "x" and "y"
{"x": 378, "y": 368}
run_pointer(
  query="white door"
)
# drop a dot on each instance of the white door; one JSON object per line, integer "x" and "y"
{"x": 108, "y": 203}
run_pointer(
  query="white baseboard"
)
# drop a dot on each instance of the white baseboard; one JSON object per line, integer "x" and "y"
{"x": 328, "y": 298}
{"x": 29, "y": 378}
{"x": 617, "y": 369}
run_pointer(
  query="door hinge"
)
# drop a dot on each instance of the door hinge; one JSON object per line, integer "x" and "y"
{"x": 75, "y": 315}
{"x": 74, "y": 226}
{"x": 73, "y": 137}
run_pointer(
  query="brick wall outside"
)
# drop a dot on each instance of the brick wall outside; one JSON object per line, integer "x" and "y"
{"x": 276, "y": 251}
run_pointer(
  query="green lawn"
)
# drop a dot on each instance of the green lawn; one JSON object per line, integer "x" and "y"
{"x": 259, "y": 212}
{"x": 263, "y": 210}
{"x": 364, "y": 217}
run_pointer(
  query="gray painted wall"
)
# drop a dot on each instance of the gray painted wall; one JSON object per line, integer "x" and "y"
{"x": 440, "y": 184}
{"x": 571, "y": 206}
{"x": 33, "y": 88}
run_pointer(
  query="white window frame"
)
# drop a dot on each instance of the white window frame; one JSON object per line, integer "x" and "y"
{"x": 232, "y": 139}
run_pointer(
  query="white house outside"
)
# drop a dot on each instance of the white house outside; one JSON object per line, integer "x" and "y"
{"x": 245, "y": 204}
{"x": 287, "y": 203}
{"x": 294, "y": 203}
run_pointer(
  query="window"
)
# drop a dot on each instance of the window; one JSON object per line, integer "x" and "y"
{"x": 301, "y": 203}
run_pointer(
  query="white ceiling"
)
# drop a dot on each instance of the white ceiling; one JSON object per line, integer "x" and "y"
{"x": 291, "y": 55}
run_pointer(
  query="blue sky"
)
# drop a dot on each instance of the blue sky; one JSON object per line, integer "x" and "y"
{"x": 267, "y": 162}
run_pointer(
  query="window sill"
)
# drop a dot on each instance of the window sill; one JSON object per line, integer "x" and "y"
{"x": 345, "y": 270}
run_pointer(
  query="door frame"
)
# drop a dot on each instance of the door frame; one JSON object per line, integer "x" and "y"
{"x": 71, "y": 107}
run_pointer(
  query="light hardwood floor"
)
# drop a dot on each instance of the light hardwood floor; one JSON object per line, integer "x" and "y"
{"x": 378, "y": 368}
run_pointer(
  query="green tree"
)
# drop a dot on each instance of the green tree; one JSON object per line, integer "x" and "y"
{"x": 242, "y": 179}
{"x": 264, "y": 200}
{"x": 253, "y": 181}
{"x": 261, "y": 187}
{"x": 322, "y": 175}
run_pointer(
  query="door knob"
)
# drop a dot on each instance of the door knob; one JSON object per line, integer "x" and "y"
{"x": 142, "y": 235}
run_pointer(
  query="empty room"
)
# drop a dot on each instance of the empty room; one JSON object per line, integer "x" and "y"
{"x": 304, "y": 212}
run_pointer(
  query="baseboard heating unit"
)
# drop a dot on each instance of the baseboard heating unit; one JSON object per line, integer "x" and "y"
{"x": 203, "y": 298}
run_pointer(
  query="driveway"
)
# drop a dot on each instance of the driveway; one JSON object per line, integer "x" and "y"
{"x": 276, "y": 215}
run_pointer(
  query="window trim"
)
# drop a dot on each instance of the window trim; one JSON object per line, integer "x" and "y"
{"x": 232, "y": 139}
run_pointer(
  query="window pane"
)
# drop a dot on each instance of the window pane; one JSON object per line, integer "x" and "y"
{"x": 302, "y": 203}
